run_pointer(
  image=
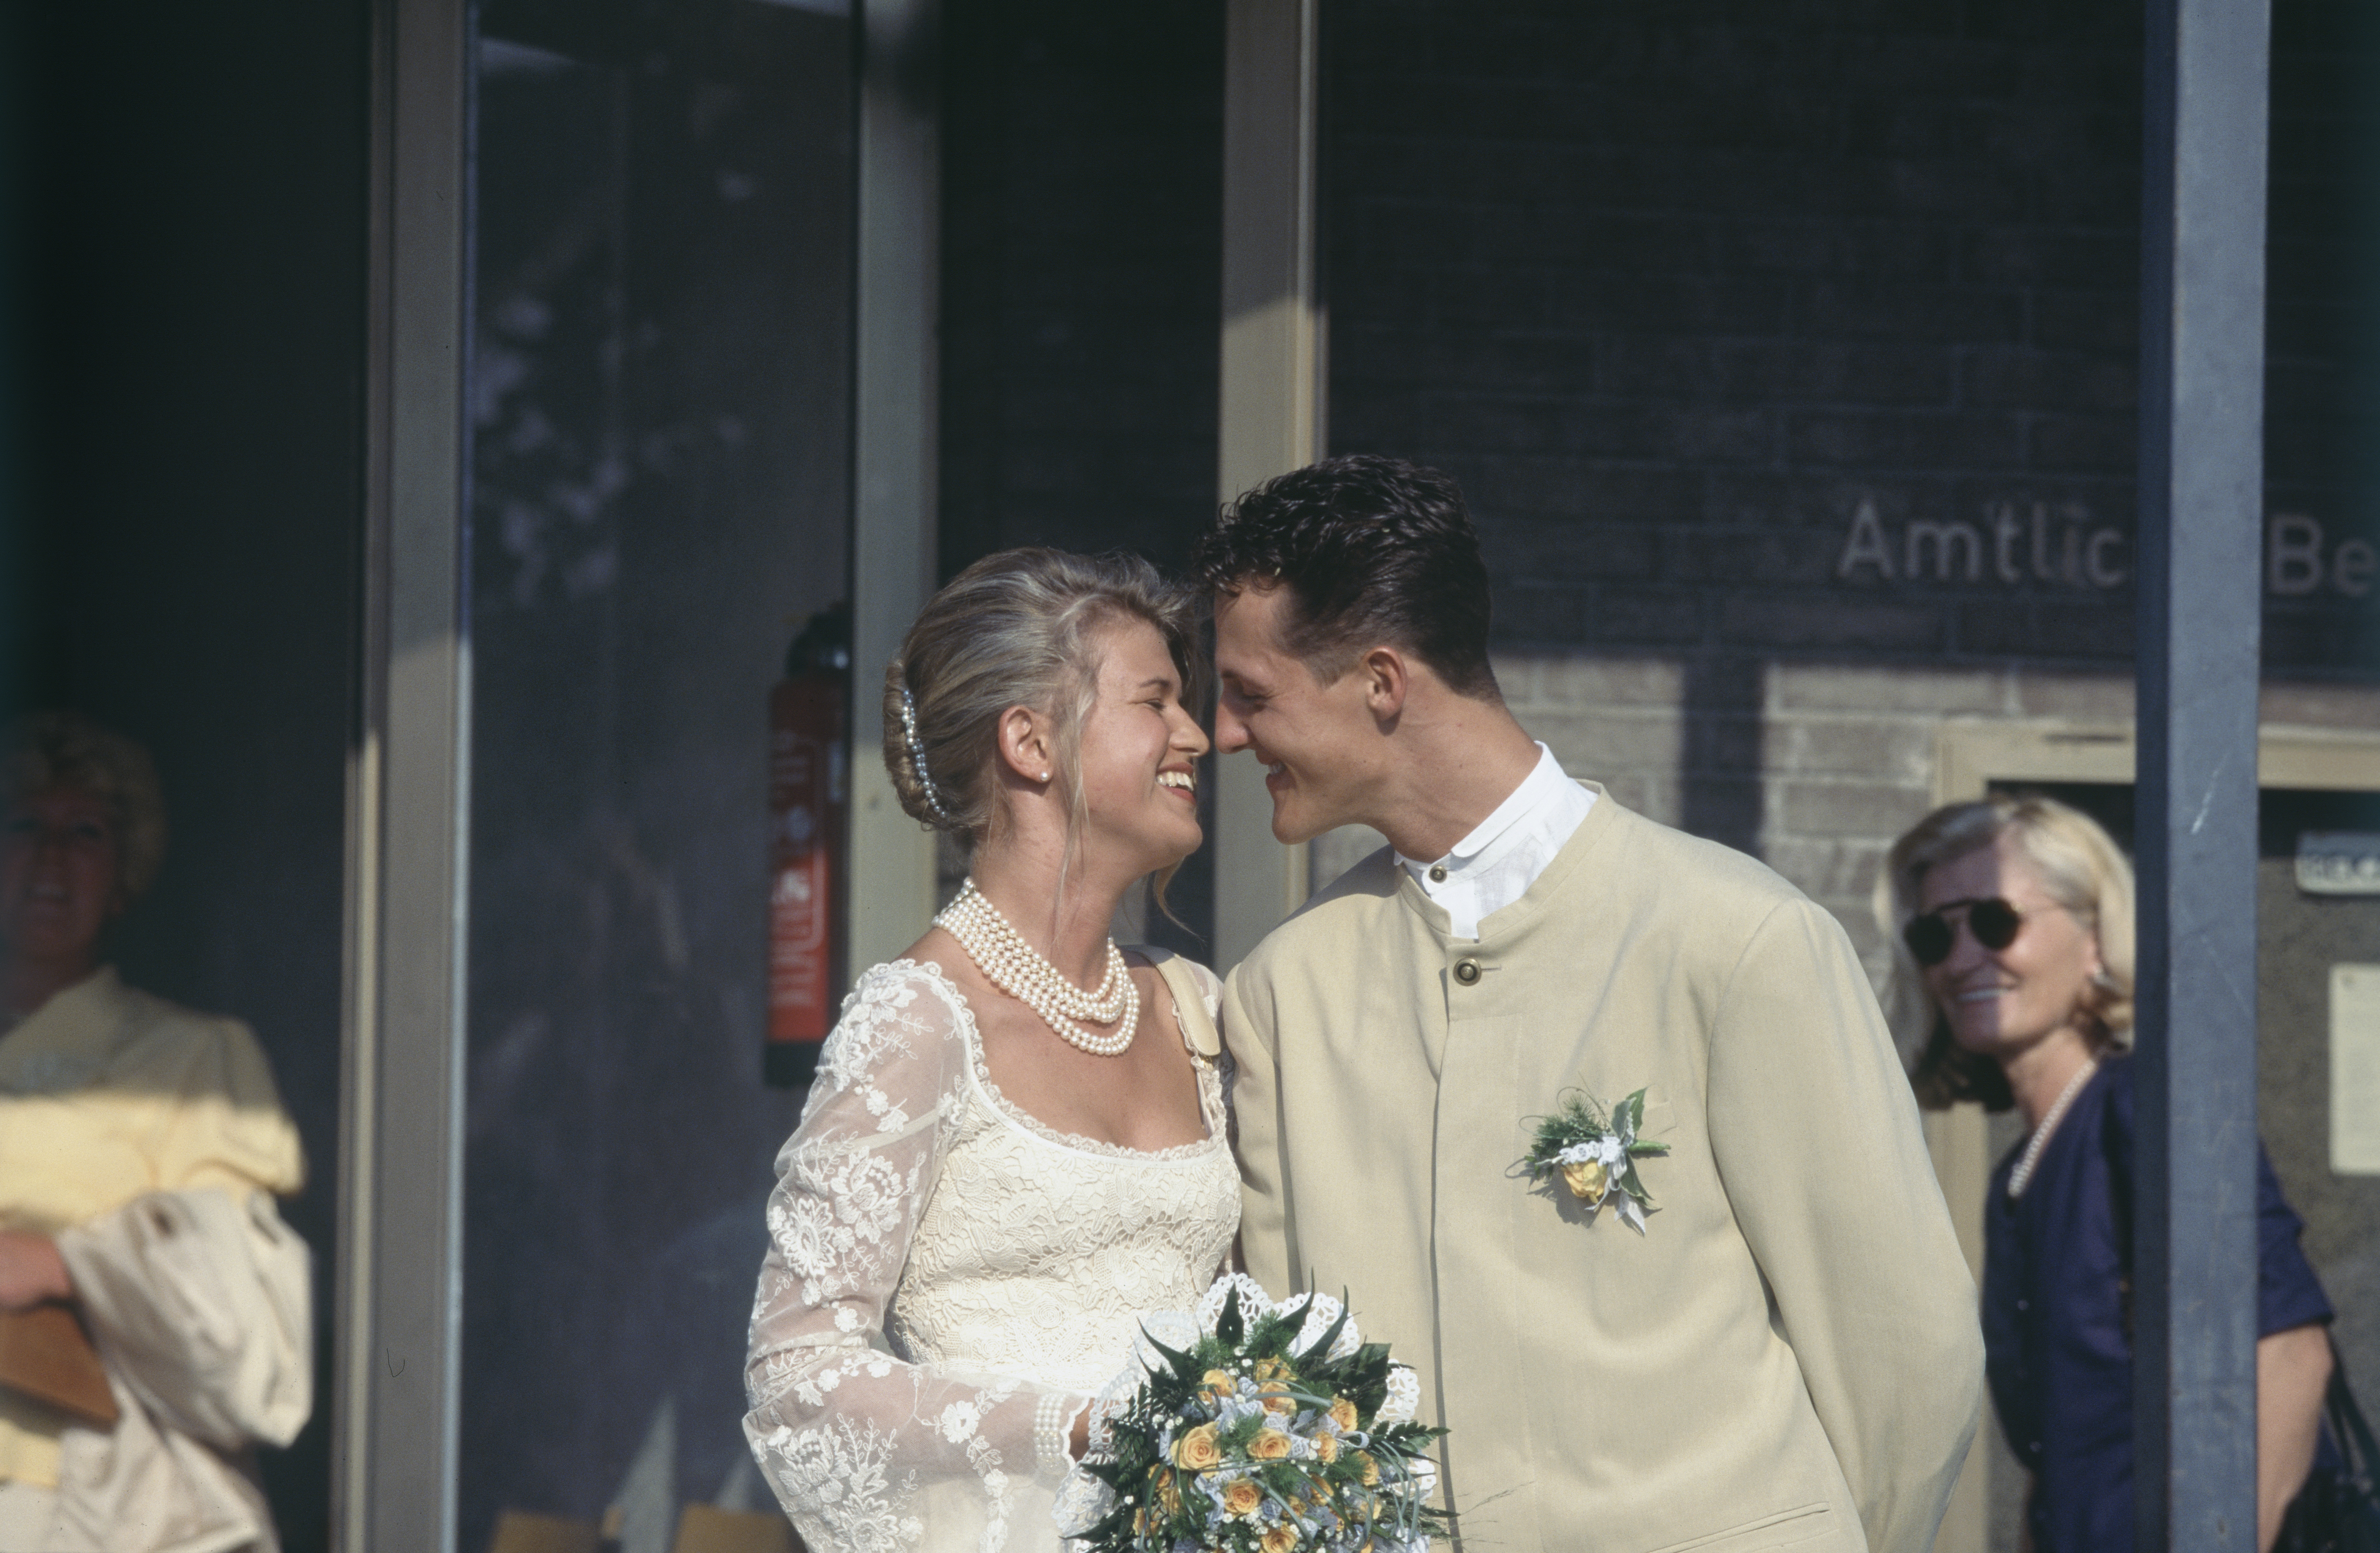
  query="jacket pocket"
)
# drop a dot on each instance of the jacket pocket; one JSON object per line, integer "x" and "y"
{"x": 1787, "y": 1528}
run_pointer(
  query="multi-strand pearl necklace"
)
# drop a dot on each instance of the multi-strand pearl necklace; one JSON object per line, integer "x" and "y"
{"x": 2049, "y": 1120}
{"x": 1020, "y": 970}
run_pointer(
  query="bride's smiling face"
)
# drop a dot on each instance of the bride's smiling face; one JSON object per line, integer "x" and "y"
{"x": 1139, "y": 752}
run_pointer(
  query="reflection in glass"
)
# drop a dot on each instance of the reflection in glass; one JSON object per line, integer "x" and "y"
{"x": 661, "y": 288}
{"x": 155, "y": 1319}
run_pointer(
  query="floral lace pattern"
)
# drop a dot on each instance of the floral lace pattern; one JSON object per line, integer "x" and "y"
{"x": 949, "y": 1280}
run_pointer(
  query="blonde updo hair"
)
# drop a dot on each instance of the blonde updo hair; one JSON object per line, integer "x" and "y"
{"x": 52, "y": 749}
{"x": 1016, "y": 629}
{"x": 2083, "y": 870}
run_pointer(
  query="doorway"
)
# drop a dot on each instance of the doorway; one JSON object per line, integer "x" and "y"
{"x": 2311, "y": 783}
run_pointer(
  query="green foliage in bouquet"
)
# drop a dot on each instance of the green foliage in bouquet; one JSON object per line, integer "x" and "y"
{"x": 1242, "y": 1445}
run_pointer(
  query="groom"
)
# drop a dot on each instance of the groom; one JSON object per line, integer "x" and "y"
{"x": 1786, "y": 1355}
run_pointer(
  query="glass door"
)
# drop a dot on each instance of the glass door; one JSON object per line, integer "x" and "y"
{"x": 661, "y": 291}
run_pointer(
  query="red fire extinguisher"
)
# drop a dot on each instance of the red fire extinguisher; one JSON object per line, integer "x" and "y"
{"x": 806, "y": 827}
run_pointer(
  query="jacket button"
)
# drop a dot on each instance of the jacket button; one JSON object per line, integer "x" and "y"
{"x": 1467, "y": 971}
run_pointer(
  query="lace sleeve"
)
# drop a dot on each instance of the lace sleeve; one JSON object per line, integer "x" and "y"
{"x": 864, "y": 1450}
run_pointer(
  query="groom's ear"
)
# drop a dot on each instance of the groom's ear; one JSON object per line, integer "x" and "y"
{"x": 1388, "y": 679}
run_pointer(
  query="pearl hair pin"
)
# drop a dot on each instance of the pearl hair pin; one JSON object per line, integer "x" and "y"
{"x": 1021, "y": 971}
{"x": 918, "y": 754}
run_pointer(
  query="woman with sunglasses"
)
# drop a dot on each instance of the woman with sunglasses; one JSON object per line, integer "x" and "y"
{"x": 2013, "y": 923}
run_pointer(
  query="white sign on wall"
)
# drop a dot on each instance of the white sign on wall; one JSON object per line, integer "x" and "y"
{"x": 2339, "y": 862}
{"x": 2355, "y": 1070}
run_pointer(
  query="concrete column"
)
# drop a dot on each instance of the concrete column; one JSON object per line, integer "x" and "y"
{"x": 399, "y": 1303}
{"x": 2201, "y": 502}
{"x": 1272, "y": 386}
{"x": 893, "y": 433}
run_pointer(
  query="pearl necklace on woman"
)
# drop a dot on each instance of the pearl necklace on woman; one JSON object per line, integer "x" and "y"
{"x": 1020, "y": 970}
{"x": 2049, "y": 1120}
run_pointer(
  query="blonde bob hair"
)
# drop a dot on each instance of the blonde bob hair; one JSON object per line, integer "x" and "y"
{"x": 1020, "y": 627}
{"x": 53, "y": 749}
{"x": 2083, "y": 870}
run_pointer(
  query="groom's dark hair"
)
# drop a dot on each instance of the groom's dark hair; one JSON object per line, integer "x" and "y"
{"x": 1372, "y": 551}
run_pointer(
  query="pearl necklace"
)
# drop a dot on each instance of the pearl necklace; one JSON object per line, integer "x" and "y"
{"x": 1021, "y": 971}
{"x": 2040, "y": 1139}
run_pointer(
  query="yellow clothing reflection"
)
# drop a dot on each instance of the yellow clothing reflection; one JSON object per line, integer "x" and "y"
{"x": 108, "y": 1094}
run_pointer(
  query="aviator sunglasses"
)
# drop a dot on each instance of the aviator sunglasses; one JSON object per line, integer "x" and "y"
{"x": 1991, "y": 920}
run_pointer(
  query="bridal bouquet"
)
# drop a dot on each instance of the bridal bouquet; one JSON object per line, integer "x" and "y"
{"x": 1248, "y": 1426}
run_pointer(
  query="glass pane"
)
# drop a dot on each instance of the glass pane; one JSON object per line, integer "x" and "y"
{"x": 182, "y": 208}
{"x": 661, "y": 286}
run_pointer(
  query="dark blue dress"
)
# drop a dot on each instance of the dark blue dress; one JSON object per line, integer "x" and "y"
{"x": 2057, "y": 1340}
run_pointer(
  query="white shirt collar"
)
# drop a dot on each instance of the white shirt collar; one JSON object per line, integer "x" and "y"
{"x": 1544, "y": 787}
{"x": 1497, "y": 863}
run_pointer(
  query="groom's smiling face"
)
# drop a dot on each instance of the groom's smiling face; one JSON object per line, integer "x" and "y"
{"x": 1319, "y": 741}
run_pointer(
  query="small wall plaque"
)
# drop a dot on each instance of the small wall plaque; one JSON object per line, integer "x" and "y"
{"x": 2339, "y": 862}
{"x": 2355, "y": 1070}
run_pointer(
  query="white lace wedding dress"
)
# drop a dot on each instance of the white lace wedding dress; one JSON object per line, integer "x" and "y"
{"x": 949, "y": 1280}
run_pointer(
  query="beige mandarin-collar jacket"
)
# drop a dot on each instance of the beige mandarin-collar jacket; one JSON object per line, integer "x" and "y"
{"x": 1788, "y": 1357}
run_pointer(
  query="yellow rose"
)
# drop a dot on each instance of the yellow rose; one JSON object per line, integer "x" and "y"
{"x": 1169, "y": 1494}
{"x": 1242, "y": 1498}
{"x": 1280, "y": 1539}
{"x": 1270, "y": 1445}
{"x": 1343, "y": 1413}
{"x": 1276, "y": 1397}
{"x": 1586, "y": 1179}
{"x": 1198, "y": 1450}
{"x": 1327, "y": 1447}
{"x": 1272, "y": 1369}
{"x": 1371, "y": 1468}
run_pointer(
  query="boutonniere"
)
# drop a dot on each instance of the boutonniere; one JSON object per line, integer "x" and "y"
{"x": 1594, "y": 1152}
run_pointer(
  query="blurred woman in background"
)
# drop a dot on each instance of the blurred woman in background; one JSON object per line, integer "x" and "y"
{"x": 142, "y": 1147}
{"x": 2011, "y": 919}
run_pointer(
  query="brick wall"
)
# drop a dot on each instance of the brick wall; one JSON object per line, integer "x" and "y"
{"x": 1788, "y": 356}
{"x": 1083, "y": 275}
{"x": 1811, "y": 329}
{"x": 1082, "y": 294}
{"x": 1730, "y": 318}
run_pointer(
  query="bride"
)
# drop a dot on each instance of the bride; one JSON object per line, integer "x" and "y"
{"x": 998, "y": 1171}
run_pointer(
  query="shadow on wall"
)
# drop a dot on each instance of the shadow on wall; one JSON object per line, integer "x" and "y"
{"x": 1720, "y": 768}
